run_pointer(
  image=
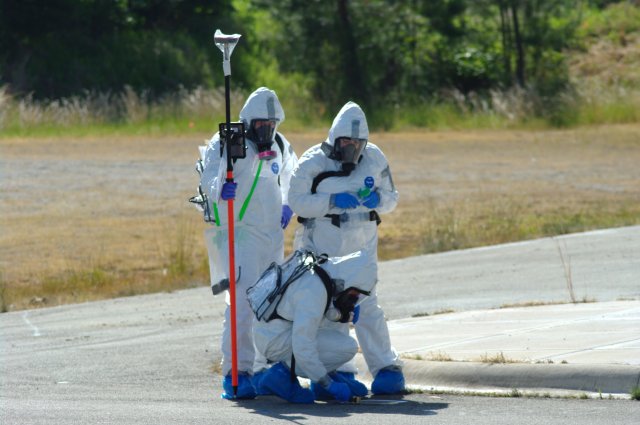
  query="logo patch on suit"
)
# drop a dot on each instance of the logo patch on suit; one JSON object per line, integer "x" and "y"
{"x": 275, "y": 168}
{"x": 368, "y": 182}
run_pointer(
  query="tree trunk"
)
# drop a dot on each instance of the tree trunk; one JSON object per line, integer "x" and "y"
{"x": 519, "y": 47}
{"x": 505, "y": 29}
{"x": 350, "y": 63}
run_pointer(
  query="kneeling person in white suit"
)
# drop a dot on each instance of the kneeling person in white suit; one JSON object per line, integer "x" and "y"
{"x": 301, "y": 336}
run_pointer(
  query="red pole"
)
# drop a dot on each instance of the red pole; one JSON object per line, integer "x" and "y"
{"x": 226, "y": 43}
{"x": 232, "y": 255}
{"x": 232, "y": 291}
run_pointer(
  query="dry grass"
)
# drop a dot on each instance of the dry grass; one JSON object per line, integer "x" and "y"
{"x": 438, "y": 356}
{"x": 541, "y": 303}
{"x": 498, "y": 358}
{"x": 100, "y": 217}
{"x": 443, "y": 311}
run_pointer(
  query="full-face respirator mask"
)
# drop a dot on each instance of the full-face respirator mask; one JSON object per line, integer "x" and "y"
{"x": 348, "y": 150}
{"x": 262, "y": 132}
{"x": 341, "y": 308}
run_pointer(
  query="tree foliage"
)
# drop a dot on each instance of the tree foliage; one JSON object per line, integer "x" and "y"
{"x": 376, "y": 52}
{"x": 61, "y": 47}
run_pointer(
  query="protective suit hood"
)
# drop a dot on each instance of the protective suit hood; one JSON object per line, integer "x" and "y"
{"x": 262, "y": 104}
{"x": 358, "y": 270}
{"x": 350, "y": 122}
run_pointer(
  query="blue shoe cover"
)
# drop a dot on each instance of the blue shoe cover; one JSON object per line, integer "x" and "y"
{"x": 320, "y": 393}
{"x": 356, "y": 387}
{"x": 277, "y": 380}
{"x": 245, "y": 388}
{"x": 388, "y": 381}
{"x": 301, "y": 395}
{"x": 256, "y": 380}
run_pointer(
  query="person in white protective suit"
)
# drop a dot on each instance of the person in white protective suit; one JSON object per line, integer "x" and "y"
{"x": 301, "y": 338}
{"x": 261, "y": 183}
{"x": 339, "y": 190}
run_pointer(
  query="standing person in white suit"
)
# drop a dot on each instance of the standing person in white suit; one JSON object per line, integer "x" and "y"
{"x": 260, "y": 187}
{"x": 339, "y": 190}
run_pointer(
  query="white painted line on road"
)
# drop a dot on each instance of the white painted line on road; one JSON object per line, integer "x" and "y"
{"x": 596, "y": 317}
{"x": 622, "y": 344}
{"x": 590, "y": 349}
{"x": 25, "y": 317}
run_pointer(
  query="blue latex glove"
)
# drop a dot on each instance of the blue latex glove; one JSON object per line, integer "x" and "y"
{"x": 372, "y": 201}
{"x": 345, "y": 200}
{"x": 287, "y": 213}
{"x": 229, "y": 190}
{"x": 340, "y": 391}
{"x": 357, "y": 388}
{"x": 356, "y": 314}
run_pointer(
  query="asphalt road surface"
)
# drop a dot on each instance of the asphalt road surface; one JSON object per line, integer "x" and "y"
{"x": 151, "y": 359}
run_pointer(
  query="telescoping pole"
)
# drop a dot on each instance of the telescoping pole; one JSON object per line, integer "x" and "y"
{"x": 226, "y": 43}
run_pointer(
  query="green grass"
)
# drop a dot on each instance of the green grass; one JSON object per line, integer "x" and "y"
{"x": 95, "y": 284}
{"x": 467, "y": 227}
{"x": 184, "y": 268}
{"x": 635, "y": 393}
{"x": 80, "y": 117}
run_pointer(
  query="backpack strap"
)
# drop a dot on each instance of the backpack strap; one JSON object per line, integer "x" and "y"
{"x": 326, "y": 175}
{"x": 280, "y": 143}
{"x": 327, "y": 281}
{"x": 335, "y": 218}
{"x": 314, "y": 186}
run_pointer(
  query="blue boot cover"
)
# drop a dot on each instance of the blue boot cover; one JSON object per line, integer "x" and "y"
{"x": 388, "y": 381}
{"x": 300, "y": 395}
{"x": 320, "y": 393}
{"x": 356, "y": 387}
{"x": 277, "y": 380}
{"x": 245, "y": 387}
{"x": 256, "y": 380}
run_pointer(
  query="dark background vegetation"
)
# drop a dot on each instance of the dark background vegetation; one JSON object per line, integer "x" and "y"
{"x": 383, "y": 54}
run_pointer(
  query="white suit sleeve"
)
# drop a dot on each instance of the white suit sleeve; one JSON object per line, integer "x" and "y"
{"x": 213, "y": 174}
{"x": 301, "y": 200}
{"x": 308, "y": 314}
{"x": 289, "y": 163}
{"x": 386, "y": 189}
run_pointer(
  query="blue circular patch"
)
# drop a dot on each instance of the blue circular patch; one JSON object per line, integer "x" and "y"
{"x": 275, "y": 168}
{"x": 368, "y": 182}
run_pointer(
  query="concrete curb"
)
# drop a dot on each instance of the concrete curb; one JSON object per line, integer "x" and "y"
{"x": 611, "y": 379}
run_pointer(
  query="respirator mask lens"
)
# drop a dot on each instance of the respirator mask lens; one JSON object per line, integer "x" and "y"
{"x": 349, "y": 149}
{"x": 261, "y": 131}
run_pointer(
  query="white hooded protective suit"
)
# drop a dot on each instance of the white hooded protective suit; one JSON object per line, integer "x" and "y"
{"x": 319, "y": 346}
{"x": 357, "y": 231}
{"x": 259, "y": 240}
